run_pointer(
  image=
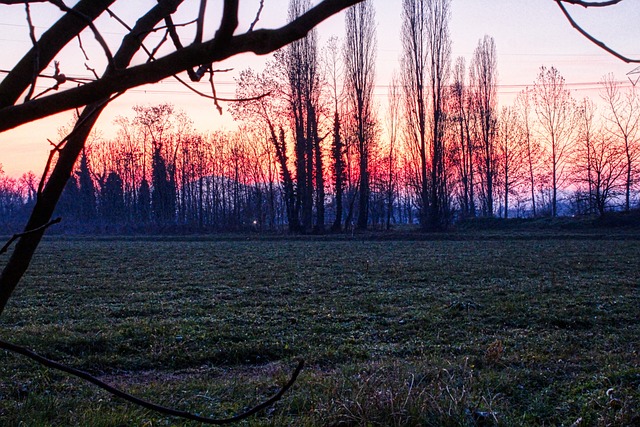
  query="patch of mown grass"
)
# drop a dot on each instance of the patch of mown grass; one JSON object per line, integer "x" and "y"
{"x": 406, "y": 332}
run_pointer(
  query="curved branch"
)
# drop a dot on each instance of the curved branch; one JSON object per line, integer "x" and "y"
{"x": 144, "y": 403}
{"x": 587, "y": 4}
{"x": 207, "y": 96}
{"x": 47, "y": 200}
{"x": 582, "y": 31}
{"x": 10, "y": 2}
{"x": 16, "y": 236}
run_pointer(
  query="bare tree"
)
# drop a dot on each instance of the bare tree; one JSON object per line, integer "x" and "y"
{"x": 484, "y": 83}
{"x": 531, "y": 147}
{"x": 360, "y": 56}
{"x": 509, "y": 156}
{"x": 265, "y": 108}
{"x": 393, "y": 121}
{"x": 426, "y": 61}
{"x": 414, "y": 75}
{"x": 624, "y": 124}
{"x": 583, "y": 151}
{"x": 555, "y": 109}
{"x": 439, "y": 44}
{"x": 119, "y": 75}
{"x": 599, "y": 160}
{"x": 299, "y": 61}
{"x": 334, "y": 74}
{"x": 461, "y": 101}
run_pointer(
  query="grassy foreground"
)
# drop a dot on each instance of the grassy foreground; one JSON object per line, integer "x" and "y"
{"x": 480, "y": 331}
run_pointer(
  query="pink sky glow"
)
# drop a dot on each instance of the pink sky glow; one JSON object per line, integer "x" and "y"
{"x": 528, "y": 34}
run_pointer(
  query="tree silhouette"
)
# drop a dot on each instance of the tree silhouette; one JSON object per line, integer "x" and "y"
{"x": 119, "y": 75}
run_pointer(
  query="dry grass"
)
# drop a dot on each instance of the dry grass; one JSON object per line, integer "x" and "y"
{"x": 495, "y": 329}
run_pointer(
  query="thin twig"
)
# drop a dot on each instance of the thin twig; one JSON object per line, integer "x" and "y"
{"x": 58, "y": 147}
{"x": 118, "y": 19}
{"x": 59, "y": 77}
{"x": 101, "y": 41}
{"x": 257, "y": 18}
{"x": 92, "y": 70}
{"x": 79, "y": 80}
{"x": 164, "y": 27}
{"x": 16, "y": 236}
{"x": 152, "y": 54}
{"x": 213, "y": 91}
{"x": 204, "y": 95}
{"x": 128, "y": 28}
{"x": 175, "y": 38}
{"x": 84, "y": 52}
{"x": 36, "y": 62}
{"x": 146, "y": 404}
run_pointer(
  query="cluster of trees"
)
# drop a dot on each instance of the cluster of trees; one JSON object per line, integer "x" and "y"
{"x": 444, "y": 150}
{"x": 315, "y": 153}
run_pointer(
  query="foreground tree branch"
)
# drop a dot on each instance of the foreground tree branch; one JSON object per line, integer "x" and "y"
{"x": 221, "y": 47}
{"x": 94, "y": 96}
{"x": 16, "y": 236}
{"x": 145, "y": 403}
{"x": 50, "y": 43}
{"x": 599, "y": 43}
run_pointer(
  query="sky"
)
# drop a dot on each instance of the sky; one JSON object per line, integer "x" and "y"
{"x": 527, "y": 33}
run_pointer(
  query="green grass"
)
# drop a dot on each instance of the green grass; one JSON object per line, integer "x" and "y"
{"x": 507, "y": 330}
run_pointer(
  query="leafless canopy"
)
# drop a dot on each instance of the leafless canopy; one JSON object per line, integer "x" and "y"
{"x": 120, "y": 76}
{"x": 20, "y": 104}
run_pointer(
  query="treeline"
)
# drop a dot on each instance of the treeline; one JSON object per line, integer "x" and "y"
{"x": 316, "y": 152}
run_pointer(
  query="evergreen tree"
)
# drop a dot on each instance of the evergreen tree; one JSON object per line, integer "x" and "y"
{"x": 163, "y": 192}
{"x": 112, "y": 199}
{"x": 144, "y": 202}
{"x": 67, "y": 207}
{"x": 87, "y": 191}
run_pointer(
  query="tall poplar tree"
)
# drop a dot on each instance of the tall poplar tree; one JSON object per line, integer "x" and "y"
{"x": 360, "y": 56}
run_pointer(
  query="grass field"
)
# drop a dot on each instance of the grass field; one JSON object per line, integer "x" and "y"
{"x": 489, "y": 329}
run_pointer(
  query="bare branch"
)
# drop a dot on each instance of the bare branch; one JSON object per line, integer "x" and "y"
{"x": 59, "y": 78}
{"x": 56, "y": 149}
{"x": 200, "y": 21}
{"x": 155, "y": 50}
{"x": 229, "y": 21}
{"x": 587, "y": 4}
{"x": 582, "y": 31}
{"x": 89, "y": 21}
{"x": 84, "y": 52}
{"x": 204, "y": 95}
{"x": 93, "y": 71}
{"x": 16, "y": 236}
{"x": 36, "y": 62}
{"x": 171, "y": 29}
{"x": 50, "y": 43}
{"x": 144, "y": 403}
{"x": 9, "y": 2}
{"x": 213, "y": 91}
{"x": 260, "y": 42}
